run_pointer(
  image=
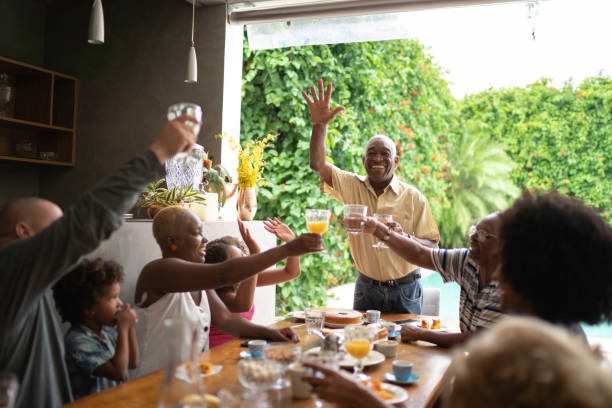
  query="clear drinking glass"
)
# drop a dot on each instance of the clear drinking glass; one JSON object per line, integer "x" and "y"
{"x": 182, "y": 385}
{"x": 354, "y": 218}
{"x": 385, "y": 219}
{"x": 314, "y": 319}
{"x": 186, "y": 108}
{"x": 317, "y": 220}
{"x": 329, "y": 359}
{"x": 358, "y": 343}
{"x": 259, "y": 375}
{"x": 9, "y": 385}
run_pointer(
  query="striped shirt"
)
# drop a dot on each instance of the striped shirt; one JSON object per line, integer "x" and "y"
{"x": 477, "y": 308}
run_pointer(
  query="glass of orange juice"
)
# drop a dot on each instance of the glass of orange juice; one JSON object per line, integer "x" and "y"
{"x": 317, "y": 220}
{"x": 358, "y": 343}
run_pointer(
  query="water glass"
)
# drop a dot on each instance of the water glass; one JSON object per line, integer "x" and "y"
{"x": 9, "y": 385}
{"x": 385, "y": 219}
{"x": 314, "y": 319}
{"x": 354, "y": 218}
{"x": 186, "y": 108}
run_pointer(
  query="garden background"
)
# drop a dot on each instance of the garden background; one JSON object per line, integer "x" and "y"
{"x": 469, "y": 156}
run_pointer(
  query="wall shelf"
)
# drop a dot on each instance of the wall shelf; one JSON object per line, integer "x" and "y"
{"x": 41, "y": 128}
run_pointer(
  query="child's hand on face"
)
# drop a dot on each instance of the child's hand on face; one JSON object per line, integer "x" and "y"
{"x": 127, "y": 317}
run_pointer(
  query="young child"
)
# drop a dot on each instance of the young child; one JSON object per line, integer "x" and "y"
{"x": 239, "y": 297}
{"x": 98, "y": 354}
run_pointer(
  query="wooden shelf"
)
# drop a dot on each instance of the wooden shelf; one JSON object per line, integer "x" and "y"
{"x": 43, "y": 117}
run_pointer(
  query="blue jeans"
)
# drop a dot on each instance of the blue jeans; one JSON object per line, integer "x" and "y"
{"x": 406, "y": 298}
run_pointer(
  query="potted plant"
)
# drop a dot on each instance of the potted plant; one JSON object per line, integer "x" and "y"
{"x": 216, "y": 179}
{"x": 156, "y": 197}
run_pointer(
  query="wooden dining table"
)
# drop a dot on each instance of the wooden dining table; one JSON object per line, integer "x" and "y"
{"x": 430, "y": 364}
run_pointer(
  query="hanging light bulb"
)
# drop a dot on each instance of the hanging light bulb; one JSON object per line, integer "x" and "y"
{"x": 192, "y": 62}
{"x": 96, "y": 24}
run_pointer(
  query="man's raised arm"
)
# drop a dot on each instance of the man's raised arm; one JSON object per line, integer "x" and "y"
{"x": 321, "y": 115}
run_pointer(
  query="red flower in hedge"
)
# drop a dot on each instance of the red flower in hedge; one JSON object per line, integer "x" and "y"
{"x": 405, "y": 88}
{"x": 562, "y": 152}
{"x": 413, "y": 92}
{"x": 565, "y": 181}
{"x": 441, "y": 138}
{"x": 383, "y": 131}
{"x": 371, "y": 109}
{"x": 444, "y": 166}
{"x": 533, "y": 153}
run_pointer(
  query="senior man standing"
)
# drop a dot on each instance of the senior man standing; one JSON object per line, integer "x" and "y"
{"x": 386, "y": 281}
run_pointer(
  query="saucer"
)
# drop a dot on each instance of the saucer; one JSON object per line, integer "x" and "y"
{"x": 247, "y": 354}
{"x": 393, "y": 334}
{"x": 391, "y": 378}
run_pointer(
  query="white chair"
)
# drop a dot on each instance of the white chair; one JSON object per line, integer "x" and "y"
{"x": 431, "y": 301}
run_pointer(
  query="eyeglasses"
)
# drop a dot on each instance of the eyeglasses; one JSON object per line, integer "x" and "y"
{"x": 480, "y": 233}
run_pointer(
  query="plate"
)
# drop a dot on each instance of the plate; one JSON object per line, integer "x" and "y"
{"x": 299, "y": 315}
{"x": 399, "y": 393}
{"x": 337, "y": 325}
{"x": 391, "y": 378}
{"x": 214, "y": 369}
{"x": 442, "y": 327}
{"x": 246, "y": 354}
{"x": 348, "y": 361}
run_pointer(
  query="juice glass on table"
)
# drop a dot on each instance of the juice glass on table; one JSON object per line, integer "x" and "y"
{"x": 317, "y": 220}
{"x": 358, "y": 343}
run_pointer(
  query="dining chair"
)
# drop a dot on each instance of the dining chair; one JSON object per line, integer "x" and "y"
{"x": 431, "y": 301}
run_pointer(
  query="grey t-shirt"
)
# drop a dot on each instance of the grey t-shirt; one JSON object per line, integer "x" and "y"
{"x": 31, "y": 344}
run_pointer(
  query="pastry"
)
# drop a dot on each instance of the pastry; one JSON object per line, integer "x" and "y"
{"x": 343, "y": 316}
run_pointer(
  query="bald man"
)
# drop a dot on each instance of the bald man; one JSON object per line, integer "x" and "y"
{"x": 39, "y": 244}
{"x": 386, "y": 282}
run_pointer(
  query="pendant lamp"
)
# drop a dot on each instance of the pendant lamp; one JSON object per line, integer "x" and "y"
{"x": 191, "y": 76}
{"x": 96, "y": 24}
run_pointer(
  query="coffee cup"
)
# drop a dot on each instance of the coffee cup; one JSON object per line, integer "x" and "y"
{"x": 256, "y": 348}
{"x": 391, "y": 327}
{"x": 372, "y": 316}
{"x": 402, "y": 370}
{"x": 300, "y": 388}
{"x": 387, "y": 347}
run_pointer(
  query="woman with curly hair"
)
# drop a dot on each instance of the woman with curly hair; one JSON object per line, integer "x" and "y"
{"x": 556, "y": 260}
{"x": 101, "y": 342}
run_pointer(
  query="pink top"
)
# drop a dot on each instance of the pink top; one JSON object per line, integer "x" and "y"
{"x": 216, "y": 337}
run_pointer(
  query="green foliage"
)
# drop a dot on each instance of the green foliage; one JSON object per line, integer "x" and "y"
{"x": 479, "y": 183}
{"x": 559, "y": 138}
{"x": 155, "y": 194}
{"x": 215, "y": 179}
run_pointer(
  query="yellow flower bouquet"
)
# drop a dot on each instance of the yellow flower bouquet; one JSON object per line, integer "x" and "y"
{"x": 250, "y": 160}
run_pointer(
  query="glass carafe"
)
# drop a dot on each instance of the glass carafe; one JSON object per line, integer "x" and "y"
{"x": 182, "y": 385}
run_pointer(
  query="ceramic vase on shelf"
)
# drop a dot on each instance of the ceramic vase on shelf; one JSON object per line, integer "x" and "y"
{"x": 247, "y": 203}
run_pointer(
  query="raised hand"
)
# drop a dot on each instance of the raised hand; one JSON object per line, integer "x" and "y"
{"x": 305, "y": 244}
{"x": 319, "y": 105}
{"x": 174, "y": 138}
{"x": 248, "y": 239}
{"x": 282, "y": 231}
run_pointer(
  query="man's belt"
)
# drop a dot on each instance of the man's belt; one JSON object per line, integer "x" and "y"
{"x": 411, "y": 277}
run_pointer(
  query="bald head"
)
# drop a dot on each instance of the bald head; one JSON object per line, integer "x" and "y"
{"x": 385, "y": 140}
{"x": 25, "y": 217}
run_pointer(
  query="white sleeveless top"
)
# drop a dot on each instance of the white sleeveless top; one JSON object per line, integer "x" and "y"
{"x": 154, "y": 350}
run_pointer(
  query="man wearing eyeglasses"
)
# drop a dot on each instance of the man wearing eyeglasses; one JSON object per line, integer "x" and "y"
{"x": 472, "y": 268}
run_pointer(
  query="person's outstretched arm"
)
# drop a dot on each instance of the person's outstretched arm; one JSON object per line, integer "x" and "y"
{"x": 403, "y": 245}
{"x": 31, "y": 265}
{"x": 170, "y": 275}
{"x": 291, "y": 270}
{"x": 238, "y": 326}
{"x": 321, "y": 115}
{"x": 411, "y": 332}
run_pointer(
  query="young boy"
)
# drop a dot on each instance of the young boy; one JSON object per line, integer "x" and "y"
{"x": 98, "y": 355}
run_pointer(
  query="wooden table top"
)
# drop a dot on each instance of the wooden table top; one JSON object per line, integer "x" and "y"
{"x": 430, "y": 364}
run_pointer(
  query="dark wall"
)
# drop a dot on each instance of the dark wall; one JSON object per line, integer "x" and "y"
{"x": 22, "y": 29}
{"x": 127, "y": 84}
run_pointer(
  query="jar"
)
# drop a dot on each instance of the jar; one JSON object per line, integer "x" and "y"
{"x": 7, "y": 95}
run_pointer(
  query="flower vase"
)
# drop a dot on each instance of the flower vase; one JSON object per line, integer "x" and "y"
{"x": 247, "y": 203}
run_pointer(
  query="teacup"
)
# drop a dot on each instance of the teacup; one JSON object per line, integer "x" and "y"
{"x": 256, "y": 348}
{"x": 372, "y": 316}
{"x": 402, "y": 370}
{"x": 300, "y": 388}
{"x": 391, "y": 327}
{"x": 387, "y": 347}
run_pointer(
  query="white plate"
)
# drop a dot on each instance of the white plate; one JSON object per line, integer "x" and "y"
{"x": 299, "y": 315}
{"x": 214, "y": 369}
{"x": 442, "y": 327}
{"x": 337, "y": 325}
{"x": 348, "y": 361}
{"x": 399, "y": 393}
